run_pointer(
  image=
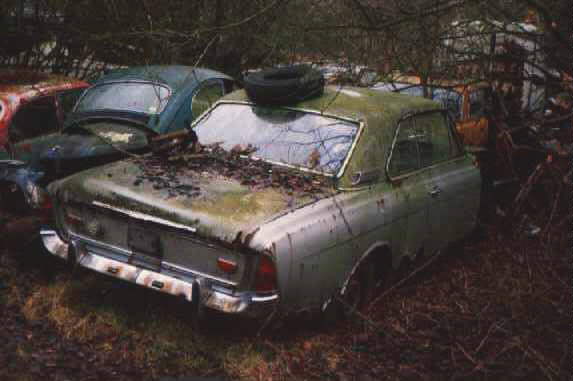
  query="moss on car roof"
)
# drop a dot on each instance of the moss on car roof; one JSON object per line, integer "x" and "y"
{"x": 355, "y": 103}
{"x": 380, "y": 113}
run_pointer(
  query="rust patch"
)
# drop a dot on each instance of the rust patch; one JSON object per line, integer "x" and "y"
{"x": 380, "y": 204}
{"x": 167, "y": 286}
{"x": 147, "y": 280}
{"x": 249, "y": 237}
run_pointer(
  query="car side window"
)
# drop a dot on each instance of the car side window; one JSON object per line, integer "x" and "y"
{"x": 69, "y": 99}
{"x": 405, "y": 156}
{"x": 205, "y": 97}
{"x": 38, "y": 117}
{"x": 435, "y": 144}
{"x": 422, "y": 140}
{"x": 451, "y": 100}
{"x": 477, "y": 103}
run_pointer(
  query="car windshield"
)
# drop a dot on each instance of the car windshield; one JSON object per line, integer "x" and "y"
{"x": 141, "y": 97}
{"x": 280, "y": 135}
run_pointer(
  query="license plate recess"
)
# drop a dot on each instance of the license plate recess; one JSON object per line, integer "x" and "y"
{"x": 143, "y": 240}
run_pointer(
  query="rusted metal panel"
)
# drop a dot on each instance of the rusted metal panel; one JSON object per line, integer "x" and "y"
{"x": 18, "y": 87}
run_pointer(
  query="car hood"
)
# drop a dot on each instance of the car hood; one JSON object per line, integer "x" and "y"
{"x": 87, "y": 141}
{"x": 214, "y": 204}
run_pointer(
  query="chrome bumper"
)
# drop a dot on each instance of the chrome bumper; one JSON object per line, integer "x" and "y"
{"x": 194, "y": 288}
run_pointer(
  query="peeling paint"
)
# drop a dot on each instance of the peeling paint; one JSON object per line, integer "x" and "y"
{"x": 18, "y": 87}
{"x": 116, "y": 137}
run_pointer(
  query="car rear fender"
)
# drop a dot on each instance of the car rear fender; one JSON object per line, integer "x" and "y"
{"x": 379, "y": 253}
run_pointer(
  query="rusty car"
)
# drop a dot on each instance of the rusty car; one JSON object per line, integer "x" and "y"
{"x": 279, "y": 209}
{"x": 121, "y": 113}
{"x": 33, "y": 104}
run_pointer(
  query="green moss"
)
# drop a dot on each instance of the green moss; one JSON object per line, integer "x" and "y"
{"x": 242, "y": 205}
{"x": 378, "y": 111}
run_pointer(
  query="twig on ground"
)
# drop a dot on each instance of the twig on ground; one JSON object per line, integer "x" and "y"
{"x": 403, "y": 280}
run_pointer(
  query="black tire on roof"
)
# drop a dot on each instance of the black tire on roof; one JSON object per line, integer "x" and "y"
{"x": 285, "y": 85}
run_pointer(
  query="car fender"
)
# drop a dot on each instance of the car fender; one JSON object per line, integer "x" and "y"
{"x": 377, "y": 247}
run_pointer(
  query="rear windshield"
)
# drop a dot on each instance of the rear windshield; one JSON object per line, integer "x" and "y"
{"x": 147, "y": 98}
{"x": 280, "y": 135}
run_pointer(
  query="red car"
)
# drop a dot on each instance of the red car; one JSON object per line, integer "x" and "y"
{"x": 33, "y": 104}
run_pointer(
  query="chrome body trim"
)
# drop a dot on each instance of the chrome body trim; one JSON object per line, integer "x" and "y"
{"x": 54, "y": 244}
{"x": 144, "y": 217}
{"x": 214, "y": 292}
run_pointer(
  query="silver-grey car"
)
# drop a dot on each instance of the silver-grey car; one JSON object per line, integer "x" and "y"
{"x": 283, "y": 209}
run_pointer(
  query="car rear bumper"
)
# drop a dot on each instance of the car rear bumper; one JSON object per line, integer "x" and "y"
{"x": 200, "y": 290}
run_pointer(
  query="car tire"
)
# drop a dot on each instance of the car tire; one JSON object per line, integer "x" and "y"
{"x": 285, "y": 85}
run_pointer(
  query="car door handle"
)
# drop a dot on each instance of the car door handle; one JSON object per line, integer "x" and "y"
{"x": 435, "y": 191}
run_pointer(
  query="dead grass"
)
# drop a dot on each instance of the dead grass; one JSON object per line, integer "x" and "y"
{"x": 498, "y": 310}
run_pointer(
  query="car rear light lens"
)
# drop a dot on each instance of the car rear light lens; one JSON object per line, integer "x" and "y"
{"x": 266, "y": 276}
{"x": 46, "y": 203}
{"x": 45, "y": 207}
{"x": 226, "y": 265}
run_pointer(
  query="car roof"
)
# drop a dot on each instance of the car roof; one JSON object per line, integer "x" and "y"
{"x": 356, "y": 103}
{"x": 379, "y": 111}
{"x": 19, "y": 82}
{"x": 173, "y": 76}
{"x": 456, "y": 84}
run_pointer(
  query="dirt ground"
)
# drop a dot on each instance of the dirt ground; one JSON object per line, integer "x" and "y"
{"x": 496, "y": 307}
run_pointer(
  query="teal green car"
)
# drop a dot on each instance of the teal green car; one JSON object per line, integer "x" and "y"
{"x": 283, "y": 209}
{"x": 119, "y": 114}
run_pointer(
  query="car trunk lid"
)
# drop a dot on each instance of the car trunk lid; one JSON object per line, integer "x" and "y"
{"x": 195, "y": 215}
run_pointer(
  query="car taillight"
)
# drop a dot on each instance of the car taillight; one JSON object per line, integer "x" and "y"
{"x": 266, "y": 276}
{"x": 45, "y": 208}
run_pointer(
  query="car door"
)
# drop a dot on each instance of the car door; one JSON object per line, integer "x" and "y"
{"x": 37, "y": 117}
{"x": 454, "y": 182}
{"x": 409, "y": 182}
{"x": 40, "y": 116}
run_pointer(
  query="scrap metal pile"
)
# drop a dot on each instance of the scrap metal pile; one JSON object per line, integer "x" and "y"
{"x": 528, "y": 171}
